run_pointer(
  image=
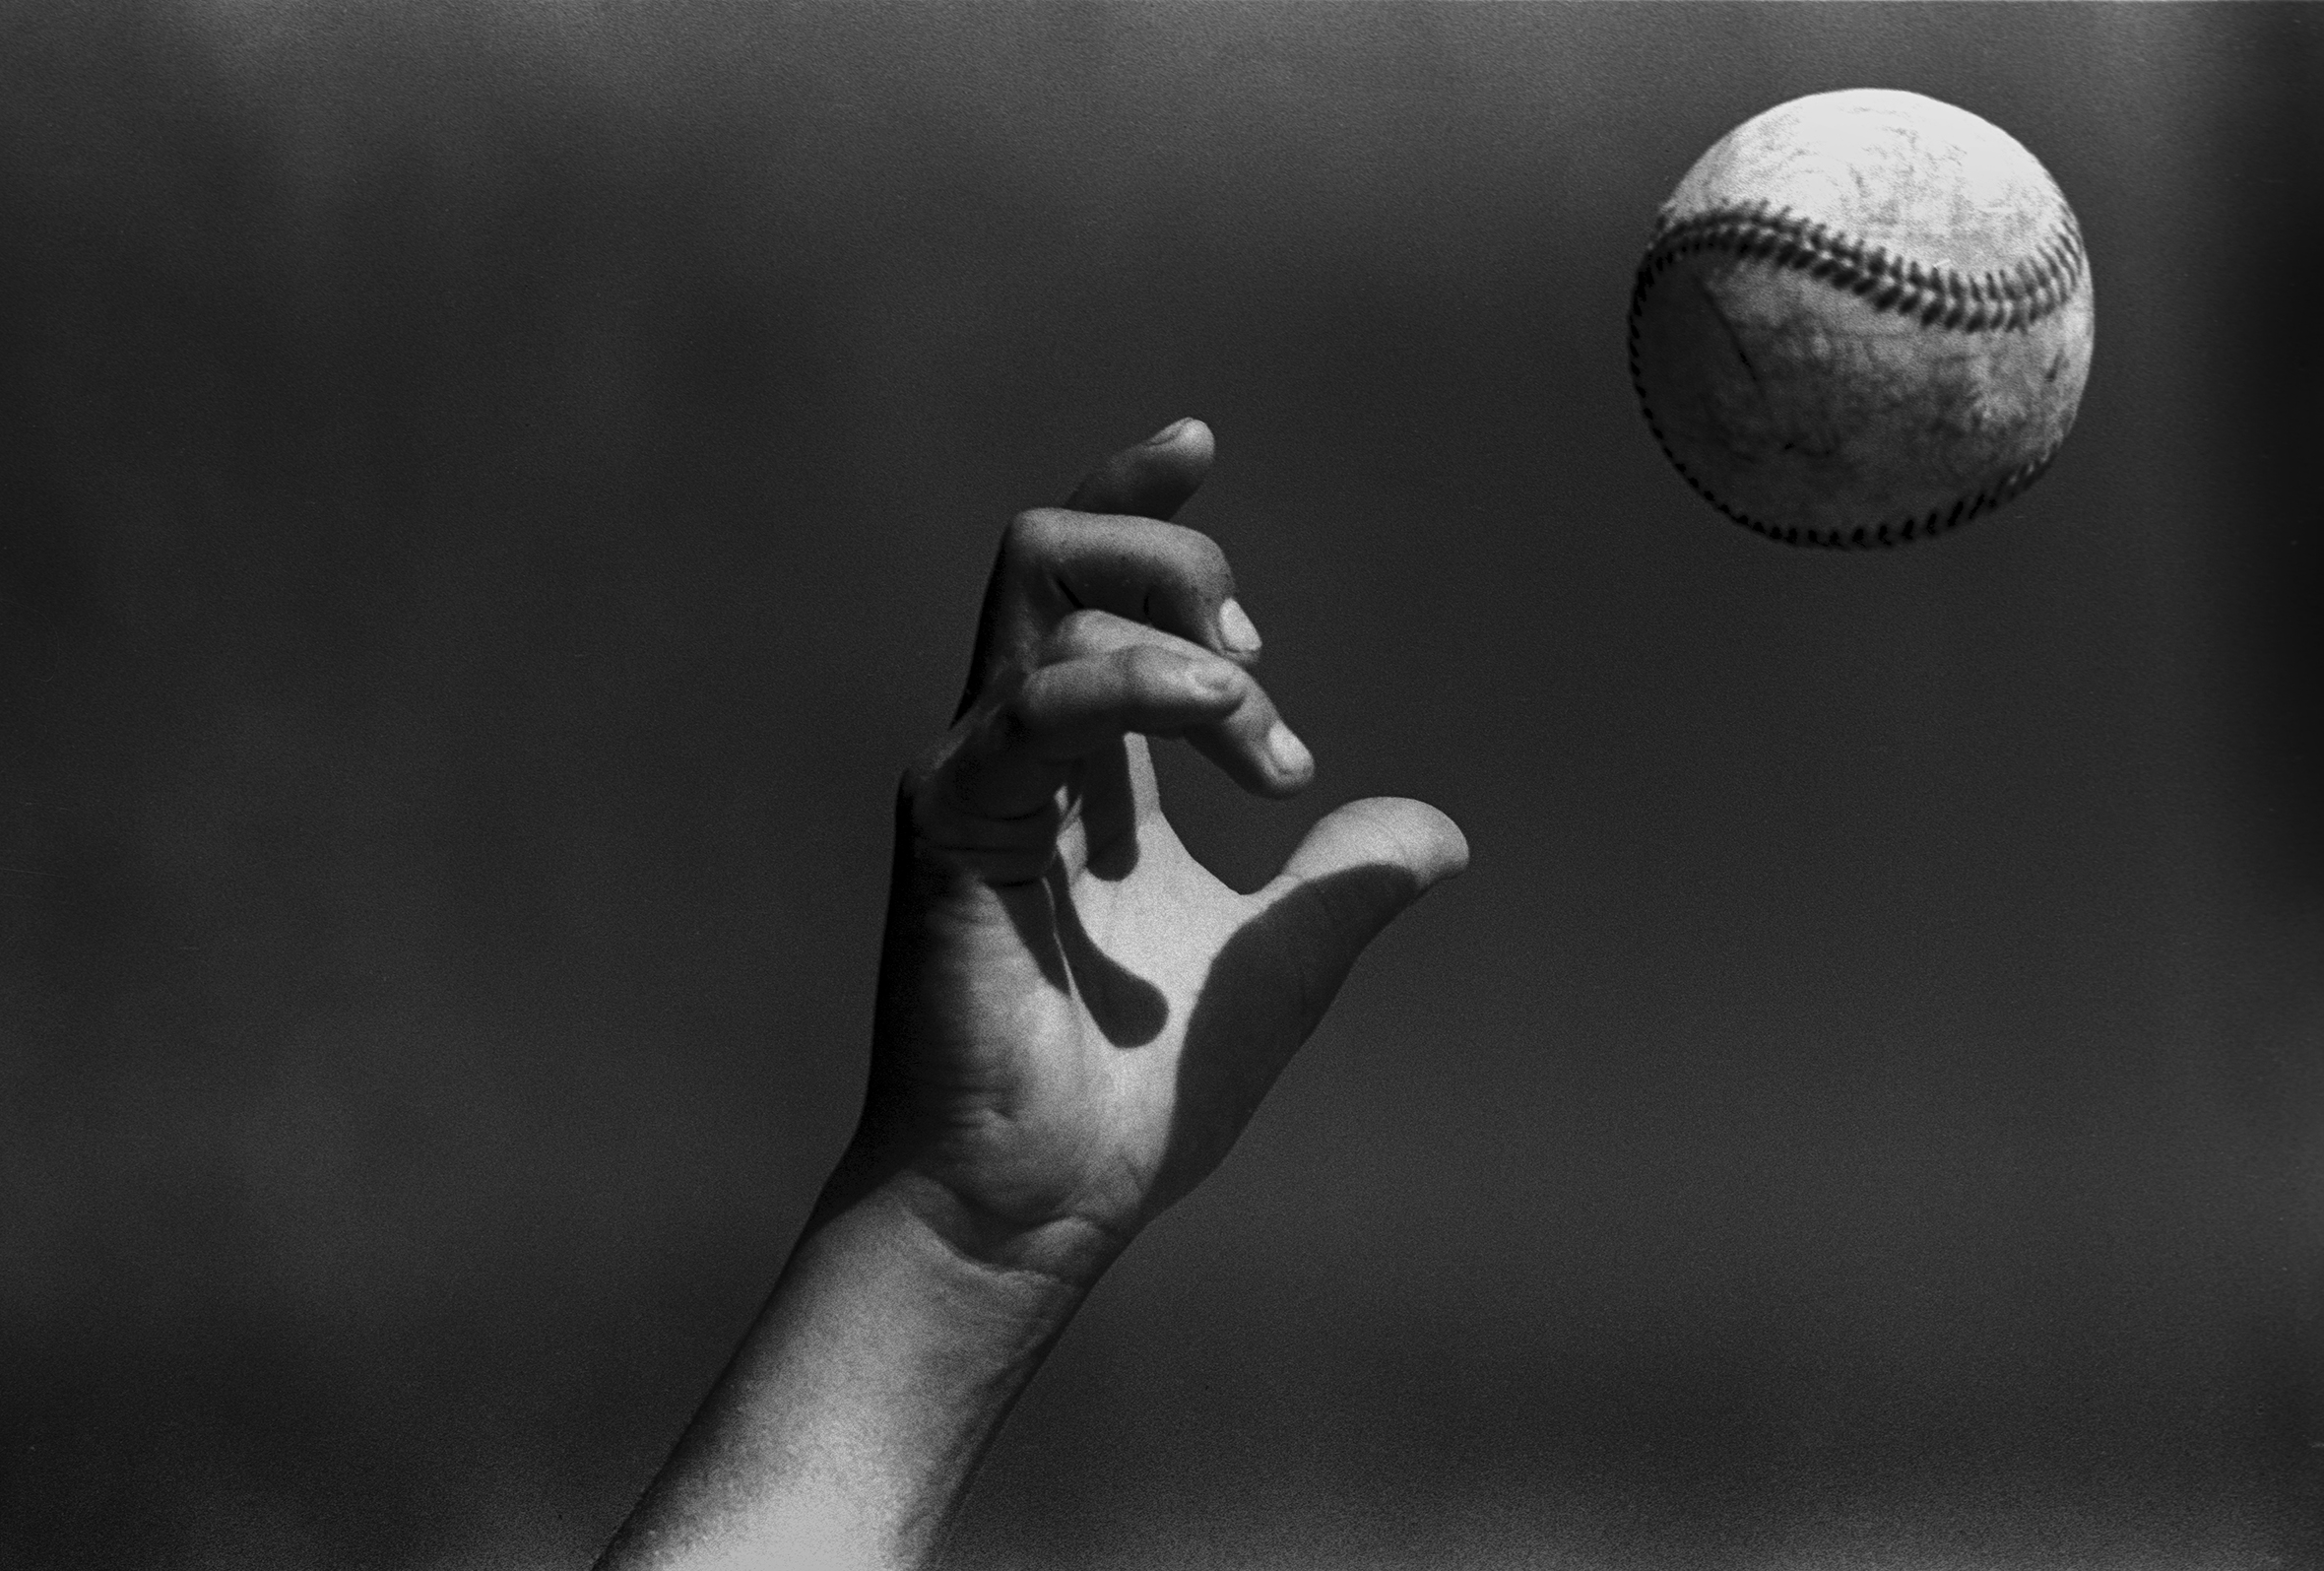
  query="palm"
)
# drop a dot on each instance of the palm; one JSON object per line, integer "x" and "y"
{"x": 1072, "y": 1086}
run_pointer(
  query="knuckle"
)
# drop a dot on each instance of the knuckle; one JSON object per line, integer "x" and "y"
{"x": 1017, "y": 714}
{"x": 1162, "y": 672}
{"x": 1144, "y": 663}
{"x": 1212, "y": 556}
{"x": 922, "y": 774}
{"x": 1035, "y": 535}
{"x": 1206, "y": 563}
{"x": 1081, "y": 631}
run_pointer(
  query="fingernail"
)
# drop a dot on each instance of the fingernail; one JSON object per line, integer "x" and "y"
{"x": 1288, "y": 753}
{"x": 1235, "y": 629}
{"x": 1167, "y": 435}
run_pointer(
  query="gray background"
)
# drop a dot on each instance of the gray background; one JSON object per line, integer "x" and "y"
{"x": 493, "y": 492}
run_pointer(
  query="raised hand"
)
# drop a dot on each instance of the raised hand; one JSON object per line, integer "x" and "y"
{"x": 1077, "y": 1020}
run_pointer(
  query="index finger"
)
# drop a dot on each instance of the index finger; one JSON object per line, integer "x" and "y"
{"x": 1055, "y": 561}
{"x": 1153, "y": 480}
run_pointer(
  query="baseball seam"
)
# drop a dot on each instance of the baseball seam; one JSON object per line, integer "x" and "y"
{"x": 1997, "y": 300}
{"x": 1944, "y": 298}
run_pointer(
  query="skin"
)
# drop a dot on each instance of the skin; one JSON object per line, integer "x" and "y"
{"x": 1075, "y": 1022}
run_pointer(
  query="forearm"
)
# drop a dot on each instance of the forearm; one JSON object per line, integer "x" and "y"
{"x": 844, "y": 1433}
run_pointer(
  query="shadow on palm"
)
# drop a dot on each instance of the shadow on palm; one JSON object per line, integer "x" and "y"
{"x": 1264, "y": 992}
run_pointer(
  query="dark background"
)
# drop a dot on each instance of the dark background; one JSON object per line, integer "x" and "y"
{"x": 493, "y": 492}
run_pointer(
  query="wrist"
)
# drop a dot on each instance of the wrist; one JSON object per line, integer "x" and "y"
{"x": 1052, "y": 1259}
{"x": 846, "y": 1431}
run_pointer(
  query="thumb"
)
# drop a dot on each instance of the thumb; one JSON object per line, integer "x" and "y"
{"x": 1351, "y": 875}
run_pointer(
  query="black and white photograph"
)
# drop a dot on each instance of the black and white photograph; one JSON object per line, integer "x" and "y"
{"x": 1098, "y": 786}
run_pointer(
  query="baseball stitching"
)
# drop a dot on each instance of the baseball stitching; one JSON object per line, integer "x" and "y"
{"x": 1945, "y": 299}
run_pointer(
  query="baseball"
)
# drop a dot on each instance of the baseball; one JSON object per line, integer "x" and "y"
{"x": 1863, "y": 318}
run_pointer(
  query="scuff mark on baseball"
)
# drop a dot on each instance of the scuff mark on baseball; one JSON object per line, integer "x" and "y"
{"x": 1863, "y": 318}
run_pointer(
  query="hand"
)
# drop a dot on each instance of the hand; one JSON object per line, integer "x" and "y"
{"x": 1075, "y": 1019}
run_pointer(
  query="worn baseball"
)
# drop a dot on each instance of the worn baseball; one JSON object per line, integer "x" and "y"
{"x": 1863, "y": 318}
